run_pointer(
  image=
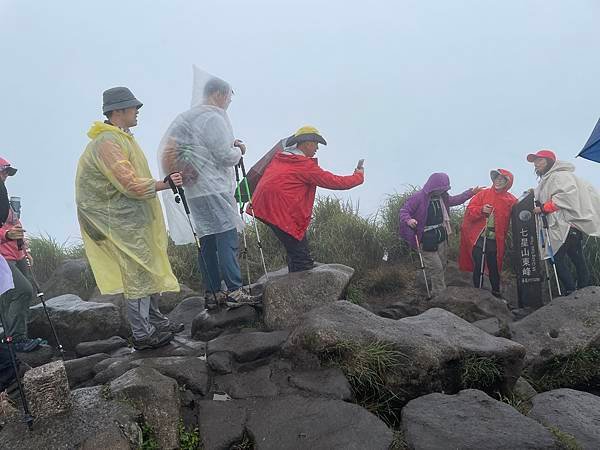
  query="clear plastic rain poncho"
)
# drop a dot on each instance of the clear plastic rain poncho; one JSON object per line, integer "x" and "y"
{"x": 199, "y": 143}
{"x": 121, "y": 220}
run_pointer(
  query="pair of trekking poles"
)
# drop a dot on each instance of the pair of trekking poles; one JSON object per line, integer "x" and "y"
{"x": 179, "y": 193}
{"x": 545, "y": 242}
{"x": 8, "y": 340}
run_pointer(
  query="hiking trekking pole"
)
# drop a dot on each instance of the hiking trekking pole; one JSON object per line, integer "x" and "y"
{"x": 241, "y": 205}
{"x": 422, "y": 265}
{"x": 258, "y": 242}
{"x": 550, "y": 250}
{"x": 8, "y": 340}
{"x": 483, "y": 249}
{"x": 180, "y": 198}
{"x": 543, "y": 243}
{"x": 40, "y": 295}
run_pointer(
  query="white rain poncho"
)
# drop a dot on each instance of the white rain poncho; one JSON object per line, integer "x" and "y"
{"x": 199, "y": 143}
{"x": 577, "y": 200}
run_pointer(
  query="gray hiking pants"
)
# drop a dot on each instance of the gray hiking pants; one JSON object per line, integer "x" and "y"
{"x": 145, "y": 316}
{"x": 435, "y": 265}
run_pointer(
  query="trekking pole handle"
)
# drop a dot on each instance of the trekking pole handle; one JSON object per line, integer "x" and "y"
{"x": 544, "y": 218}
{"x": 169, "y": 180}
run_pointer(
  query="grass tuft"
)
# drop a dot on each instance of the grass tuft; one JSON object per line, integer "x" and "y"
{"x": 369, "y": 368}
{"x": 578, "y": 369}
{"x": 480, "y": 372}
{"x": 189, "y": 439}
{"x": 566, "y": 441}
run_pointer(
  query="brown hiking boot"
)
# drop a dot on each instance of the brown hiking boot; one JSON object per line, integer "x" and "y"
{"x": 214, "y": 301}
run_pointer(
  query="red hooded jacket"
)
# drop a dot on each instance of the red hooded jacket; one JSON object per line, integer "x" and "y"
{"x": 285, "y": 194}
{"x": 474, "y": 221}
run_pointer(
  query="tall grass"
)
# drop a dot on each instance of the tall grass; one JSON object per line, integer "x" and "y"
{"x": 337, "y": 234}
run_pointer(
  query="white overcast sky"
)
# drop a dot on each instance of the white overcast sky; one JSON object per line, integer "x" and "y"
{"x": 413, "y": 87}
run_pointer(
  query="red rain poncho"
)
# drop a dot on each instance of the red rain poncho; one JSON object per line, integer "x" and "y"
{"x": 475, "y": 221}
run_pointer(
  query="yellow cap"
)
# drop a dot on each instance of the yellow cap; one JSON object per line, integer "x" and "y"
{"x": 304, "y": 134}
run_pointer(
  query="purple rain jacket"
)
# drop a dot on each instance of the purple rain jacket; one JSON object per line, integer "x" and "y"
{"x": 416, "y": 206}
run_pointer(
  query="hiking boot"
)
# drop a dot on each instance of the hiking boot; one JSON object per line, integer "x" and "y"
{"x": 214, "y": 301}
{"x": 28, "y": 345}
{"x": 172, "y": 328}
{"x": 155, "y": 340}
{"x": 240, "y": 297}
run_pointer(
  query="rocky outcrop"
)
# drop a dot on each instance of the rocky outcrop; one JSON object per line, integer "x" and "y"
{"x": 287, "y": 297}
{"x": 74, "y": 276}
{"x": 471, "y": 304}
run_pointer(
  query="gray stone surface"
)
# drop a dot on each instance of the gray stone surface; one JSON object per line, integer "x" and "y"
{"x": 92, "y": 423}
{"x": 297, "y": 422}
{"x": 102, "y": 346}
{"x": 287, "y": 297}
{"x": 524, "y": 390}
{"x": 221, "y": 424}
{"x": 210, "y": 324}
{"x": 185, "y": 312}
{"x": 433, "y": 343}
{"x": 75, "y": 321}
{"x": 327, "y": 383}
{"x": 43, "y": 354}
{"x": 248, "y": 346}
{"x": 471, "y": 304}
{"x": 256, "y": 383}
{"x": 470, "y": 420}
{"x": 494, "y": 326}
{"x": 81, "y": 370}
{"x": 220, "y": 362}
{"x": 157, "y": 397}
{"x": 560, "y": 328}
{"x": 574, "y": 412}
{"x": 292, "y": 422}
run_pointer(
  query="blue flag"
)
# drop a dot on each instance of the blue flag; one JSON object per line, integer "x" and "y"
{"x": 591, "y": 149}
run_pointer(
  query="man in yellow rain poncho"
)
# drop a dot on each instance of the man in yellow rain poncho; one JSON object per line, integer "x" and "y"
{"x": 121, "y": 220}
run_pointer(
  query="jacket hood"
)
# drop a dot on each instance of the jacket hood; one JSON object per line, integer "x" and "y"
{"x": 100, "y": 127}
{"x": 439, "y": 182}
{"x": 509, "y": 176}
{"x": 560, "y": 166}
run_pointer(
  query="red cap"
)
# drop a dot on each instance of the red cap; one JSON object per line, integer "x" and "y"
{"x": 5, "y": 165}
{"x": 542, "y": 154}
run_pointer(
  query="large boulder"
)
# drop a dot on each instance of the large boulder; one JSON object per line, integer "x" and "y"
{"x": 471, "y": 304}
{"x": 561, "y": 328}
{"x": 574, "y": 412}
{"x": 75, "y": 321}
{"x": 470, "y": 420}
{"x": 255, "y": 383}
{"x": 81, "y": 370}
{"x": 208, "y": 325}
{"x": 248, "y": 346}
{"x": 156, "y": 396}
{"x": 74, "y": 276}
{"x": 292, "y": 422}
{"x": 431, "y": 347}
{"x": 286, "y": 298}
{"x": 102, "y": 346}
{"x": 93, "y": 422}
{"x": 186, "y": 311}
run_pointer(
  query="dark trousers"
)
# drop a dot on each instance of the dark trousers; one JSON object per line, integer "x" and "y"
{"x": 491, "y": 262}
{"x": 14, "y": 304}
{"x": 298, "y": 253}
{"x": 572, "y": 249}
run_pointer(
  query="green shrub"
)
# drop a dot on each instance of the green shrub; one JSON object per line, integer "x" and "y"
{"x": 189, "y": 440}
